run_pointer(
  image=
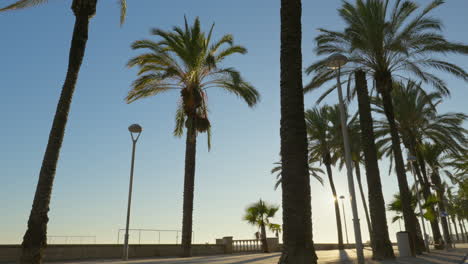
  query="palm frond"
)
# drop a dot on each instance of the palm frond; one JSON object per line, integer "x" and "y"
{"x": 22, "y": 4}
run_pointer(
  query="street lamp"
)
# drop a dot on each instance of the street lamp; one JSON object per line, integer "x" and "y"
{"x": 412, "y": 159}
{"x": 335, "y": 62}
{"x": 344, "y": 217}
{"x": 135, "y": 132}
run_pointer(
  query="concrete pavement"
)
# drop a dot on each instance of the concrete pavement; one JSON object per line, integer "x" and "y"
{"x": 455, "y": 256}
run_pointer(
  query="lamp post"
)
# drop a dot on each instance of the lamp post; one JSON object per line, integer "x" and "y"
{"x": 335, "y": 62}
{"x": 135, "y": 132}
{"x": 344, "y": 217}
{"x": 412, "y": 159}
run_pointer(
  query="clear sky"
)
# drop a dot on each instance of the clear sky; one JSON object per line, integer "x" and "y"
{"x": 91, "y": 185}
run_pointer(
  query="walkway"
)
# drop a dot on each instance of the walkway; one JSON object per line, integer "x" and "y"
{"x": 455, "y": 256}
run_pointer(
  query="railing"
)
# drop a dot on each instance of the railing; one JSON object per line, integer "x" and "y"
{"x": 151, "y": 236}
{"x": 246, "y": 245}
{"x": 71, "y": 239}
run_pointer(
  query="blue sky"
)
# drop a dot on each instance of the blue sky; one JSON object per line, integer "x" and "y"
{"x": 91, "y": 185}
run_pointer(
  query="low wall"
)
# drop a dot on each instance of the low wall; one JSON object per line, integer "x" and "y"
{"x": 325, "y": 246}
{"x": 11, "y": 253}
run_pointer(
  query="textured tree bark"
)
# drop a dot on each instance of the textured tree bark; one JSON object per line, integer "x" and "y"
{"x": 454, "y": 222}
{"x": 463, "y": 232}
{"x": 381, "y": 245}
{"x": 426, "y": 190}
{"x": 339, "y": 228}
{"x": 35, "y": 238}
{"x": 363, "y": 198}
{"x": 264, "y": 239}
{"x": 298, "y": 247}
{"x": 440, "y": 195}
{"x": 384, "y": 87}
{"x": 189, "y": 187}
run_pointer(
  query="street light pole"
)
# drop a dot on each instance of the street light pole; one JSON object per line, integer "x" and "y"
{"x": 412, "y": 159}
{"x": 135, "y": 132}
{"x": 344, "y": 217}
{"x": 336, "y": 61}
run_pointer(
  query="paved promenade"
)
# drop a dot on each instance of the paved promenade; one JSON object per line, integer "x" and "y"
{"x": 455, "y": 256}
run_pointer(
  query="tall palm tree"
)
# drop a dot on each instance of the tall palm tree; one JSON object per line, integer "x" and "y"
{"x": 187, "y": 60}
{"x": 298, "y": 247}
{"x": 389, "y": 43}
{"x": 381, "y": 245}
{"x": 35, "y": 238}
{"x": 259, "y": 214}
{"x": 313, "y": 172}
{"x": 318, "y": 121}
{"x": 417, "y": 121}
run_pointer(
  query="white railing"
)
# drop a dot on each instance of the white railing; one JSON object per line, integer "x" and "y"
{"x": 246, "y": 245}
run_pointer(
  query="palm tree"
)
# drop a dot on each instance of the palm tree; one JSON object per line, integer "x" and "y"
{"x": 417, "y": 121}
{"x": 318, "y": 121}
{"x": 388, "y": 42}
{"x": 259, "y": 214}
{"x": 381, "y": 245}
{"x": 35, "y": 238}
{"x": 298, "y": 247}
{"x": 313, "y": 171}
{"x": 185, "y": 59}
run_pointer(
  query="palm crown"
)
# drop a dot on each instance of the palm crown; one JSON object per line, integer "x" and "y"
{"x": 418, "y": 121}
{"x": 259, "y": 213}
{"x": 185, "y": 59}
{"x": 29, "y": 3}
{"x": 384, "y": 40}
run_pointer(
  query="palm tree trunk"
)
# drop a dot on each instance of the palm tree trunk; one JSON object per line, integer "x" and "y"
{"x": 464, "y": 227}
{"x": 363, "y": 198}
{"x": 381, "y": 245}
{"x": 264, "y": 239}
{"x": 298, "y": 247}
{"x": 438, "y": 241}
{"x": 454, "y": 222}
{"x": 335, "y": 201}
{"x": 440, "y": 195}
{"x": 420, "y": 168}
{"x": 189, "y": 186}
{"x": 35, "y": 238}
{"x": 384, "y": 86}
{"x": 463, "y": 232}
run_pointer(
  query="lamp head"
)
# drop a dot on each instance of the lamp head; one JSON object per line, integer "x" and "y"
{"x": 135, "y": 128}
{"x": 342, "y": 197}
{"x": 336, "y": 61}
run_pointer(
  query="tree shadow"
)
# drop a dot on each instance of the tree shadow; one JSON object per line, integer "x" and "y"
{"x": 231, "y": 259}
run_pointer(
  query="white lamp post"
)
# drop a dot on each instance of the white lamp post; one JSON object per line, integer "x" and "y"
{"x": 344, "y": 217}
{"x": 335, "y": 62}
{"x": 412, "y": 159}
{"x": 135, "y": 132}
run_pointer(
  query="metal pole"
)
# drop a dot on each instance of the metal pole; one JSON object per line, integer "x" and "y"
{"x": 349, "y": 167}
{"x": 426, "y": 243}
{"x": 345, "y": 225}
{"x": 125, "y": 253}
